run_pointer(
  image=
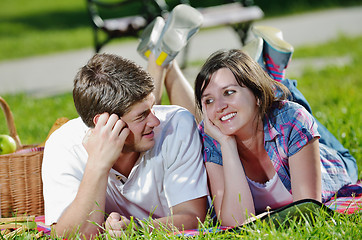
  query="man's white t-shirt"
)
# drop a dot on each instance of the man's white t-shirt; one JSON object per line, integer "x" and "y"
{"x": 170, "y": 173}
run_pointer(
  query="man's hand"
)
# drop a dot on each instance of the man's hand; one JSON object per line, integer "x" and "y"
{"x": 104, "y": 143}
{"x": 115, "y": 224}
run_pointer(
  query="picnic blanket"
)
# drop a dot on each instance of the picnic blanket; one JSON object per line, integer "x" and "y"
{"x": 347, "y": 201}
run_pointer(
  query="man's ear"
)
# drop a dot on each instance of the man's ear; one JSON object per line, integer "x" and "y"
{"x": 95, "y": 119}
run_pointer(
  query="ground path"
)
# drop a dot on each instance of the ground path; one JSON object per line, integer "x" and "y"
{"x": 52, "y": 74}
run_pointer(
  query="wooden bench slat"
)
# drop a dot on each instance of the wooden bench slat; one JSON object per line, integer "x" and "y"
{"x": 124, "y": 24}
{"x": 230, "y": 14}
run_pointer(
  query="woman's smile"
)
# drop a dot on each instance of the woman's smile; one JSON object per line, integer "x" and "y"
{"x": 227, "y": 117}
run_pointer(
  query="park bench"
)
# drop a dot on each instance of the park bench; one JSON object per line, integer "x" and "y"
{"x": 121, "y": 18}
{"x": 135, "y": 15}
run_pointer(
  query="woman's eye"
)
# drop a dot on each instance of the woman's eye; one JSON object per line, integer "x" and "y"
{"x": 228, "y": 92}
{"x": 208, "y": 101}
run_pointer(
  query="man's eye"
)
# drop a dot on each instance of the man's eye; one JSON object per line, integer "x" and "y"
{"x": 141, "y": 117}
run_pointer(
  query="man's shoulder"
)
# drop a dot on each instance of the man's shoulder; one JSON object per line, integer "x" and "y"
{"x": 175, "y": 123}
{"x": 170, "y": 113}
{"x": 71, "y": 131}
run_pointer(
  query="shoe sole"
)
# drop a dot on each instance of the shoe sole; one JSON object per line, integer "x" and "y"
{"x": 273, "y": 37}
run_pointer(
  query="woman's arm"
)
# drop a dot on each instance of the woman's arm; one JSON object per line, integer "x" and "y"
{"x": 229, "y": 188}
{"x": 305, "y": 172}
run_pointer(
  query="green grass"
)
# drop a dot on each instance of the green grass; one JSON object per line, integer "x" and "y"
{"x": 317, "y": 226}
{"x": 38, "y": 27}
{"x": 334, "y": 93}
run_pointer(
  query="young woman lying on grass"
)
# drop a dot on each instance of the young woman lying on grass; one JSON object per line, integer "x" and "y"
{"x": 260, "y": 149}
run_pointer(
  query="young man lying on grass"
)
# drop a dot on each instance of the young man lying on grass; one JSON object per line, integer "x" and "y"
{"x": 124, "y": 155}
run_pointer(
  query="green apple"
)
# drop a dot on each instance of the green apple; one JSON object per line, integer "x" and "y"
{"x": 7, "y": 144}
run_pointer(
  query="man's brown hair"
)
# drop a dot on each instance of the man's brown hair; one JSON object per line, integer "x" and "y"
{"x": 109, "y": 83}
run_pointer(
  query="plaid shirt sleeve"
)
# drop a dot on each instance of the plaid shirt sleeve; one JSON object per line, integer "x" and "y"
{"x": 211, "y": 148}
{"x": 298, "y": 128}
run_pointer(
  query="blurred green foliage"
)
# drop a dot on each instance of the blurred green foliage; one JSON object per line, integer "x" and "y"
{"x": 281, "y": 7}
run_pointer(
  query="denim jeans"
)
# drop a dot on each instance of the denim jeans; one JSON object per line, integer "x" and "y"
{"x": 327, "y": 137}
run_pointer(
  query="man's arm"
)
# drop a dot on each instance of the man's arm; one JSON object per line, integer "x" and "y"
{"x": 186, "y": 215}
{"x": 88, "y": 206}
{"x": 104, "y": 144}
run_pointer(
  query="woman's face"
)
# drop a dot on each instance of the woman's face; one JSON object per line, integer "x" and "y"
{"x": 229, "y": 106}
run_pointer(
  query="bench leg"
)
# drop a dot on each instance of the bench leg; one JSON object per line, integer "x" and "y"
{"x": 242, "y": 30}
{"x": 97, "y": 45}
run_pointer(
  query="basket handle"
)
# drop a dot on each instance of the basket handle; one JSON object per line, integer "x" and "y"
{"x": 10, "y": 122}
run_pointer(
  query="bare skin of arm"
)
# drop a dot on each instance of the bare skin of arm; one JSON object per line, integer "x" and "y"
{"x": 305, "y": 172}
{"x": 104, "y": 144}
{"x": 185, "y": 215}
{"x": 178, "y": 88}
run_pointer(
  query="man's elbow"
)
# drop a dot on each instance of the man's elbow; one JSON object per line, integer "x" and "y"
{"x": 85, "y": 231}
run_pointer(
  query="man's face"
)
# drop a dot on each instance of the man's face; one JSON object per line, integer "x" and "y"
{"x": 141, "y": 121}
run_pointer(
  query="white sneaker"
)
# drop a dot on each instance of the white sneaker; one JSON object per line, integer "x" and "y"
{"x": 182, "y": 23}
{"x": 150, "y": 36}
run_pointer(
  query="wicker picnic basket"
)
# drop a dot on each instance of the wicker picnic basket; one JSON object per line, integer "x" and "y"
{"x": 20, "y": 175}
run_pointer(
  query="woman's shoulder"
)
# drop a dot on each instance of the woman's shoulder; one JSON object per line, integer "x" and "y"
{"x": 291, "y": 114}
{"x": 281, "y": 107}
{"x": 288, "y": 110}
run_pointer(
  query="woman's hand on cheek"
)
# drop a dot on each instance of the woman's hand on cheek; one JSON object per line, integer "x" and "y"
{"x": 210, "y": 128}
